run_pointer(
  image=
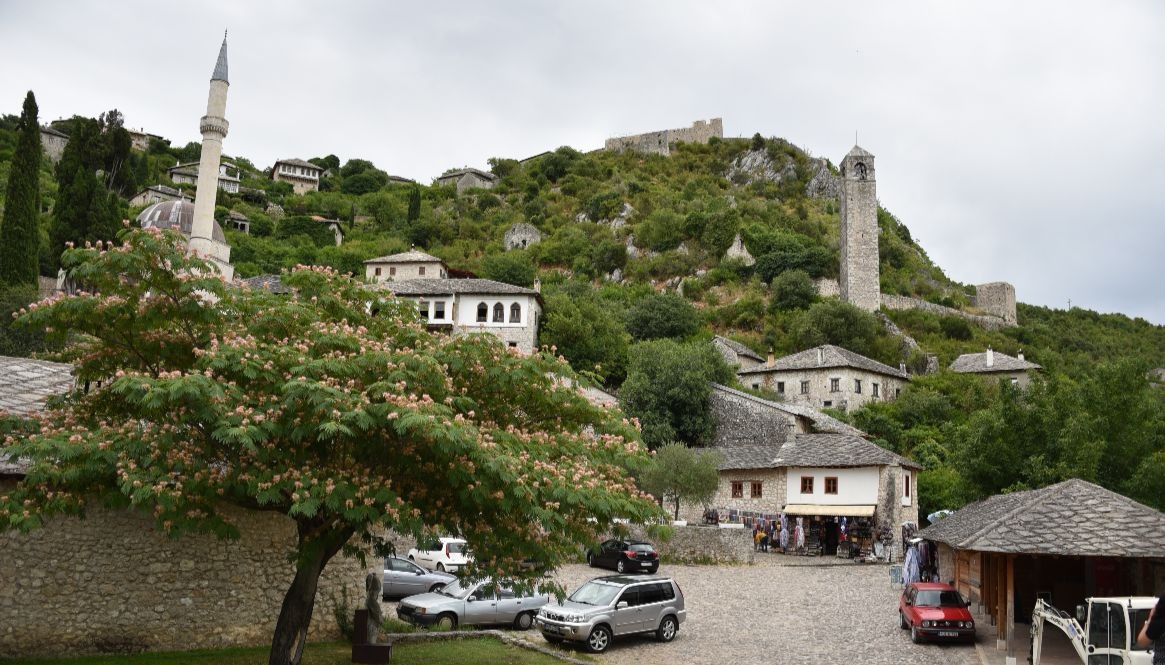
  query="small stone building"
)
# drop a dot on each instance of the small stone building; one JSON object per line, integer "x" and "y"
{"x": 736, "y": 354}
{"x": 53, "y": 141}
{"x": 413, "y": 264}
{"x": 467, "y": 178}
{"x": 521, "y": 236}
{"x": 157, "y": 194}
{"x": 1065, "y": 542}
{"x": 187, "y": 174}
{"x": 827, "y": 376}
{"x": 779, "y": 457}
{"x": 111, "y": 582}
{"x": 996, "y": 365}
{"x": 303, "y": 175}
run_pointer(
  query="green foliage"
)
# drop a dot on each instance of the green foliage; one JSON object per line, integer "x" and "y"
{"x": 587, "y": 332}
{"x": 319, "y": 233}
{"x": 19, "y": 226}
{"x": 198, "y": 412}
{"x": 679, "y": 473}
{"x": 662, "y": 315}
{"x": 513, "y": 267}
{"x": 15, "y": 339}
{"x": 841, "y": 324}
{"x": 85, "y": 210}
{"x": 667, "y": 389}
{"x": 793, "y": 289}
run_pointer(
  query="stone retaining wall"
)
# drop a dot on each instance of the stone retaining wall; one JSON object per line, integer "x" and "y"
{"x": 112, "y": 583}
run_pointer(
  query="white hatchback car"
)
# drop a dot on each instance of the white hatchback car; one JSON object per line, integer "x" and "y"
{"x": 445, "y": 554}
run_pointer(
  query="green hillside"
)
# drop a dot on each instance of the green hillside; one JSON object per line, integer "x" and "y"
{"x": 1093, "y": 413}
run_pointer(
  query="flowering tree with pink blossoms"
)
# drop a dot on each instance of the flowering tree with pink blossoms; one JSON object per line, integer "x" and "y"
{"x": 332, "y": 405}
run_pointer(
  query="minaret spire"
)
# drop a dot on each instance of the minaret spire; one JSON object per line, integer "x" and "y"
{"x": 220, "y": 67}
{"x": 214, "y": 127}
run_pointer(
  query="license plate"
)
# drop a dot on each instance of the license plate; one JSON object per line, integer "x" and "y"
{"x": 551, "y": 629}
{"x": 947, "y": 633}
{"x": 645, "y": 564}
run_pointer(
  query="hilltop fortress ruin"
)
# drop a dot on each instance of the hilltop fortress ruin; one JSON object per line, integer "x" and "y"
{"x": 658, "y": 142}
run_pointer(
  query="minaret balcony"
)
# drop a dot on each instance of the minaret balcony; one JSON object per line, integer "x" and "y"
{"x": 210, "y": 123}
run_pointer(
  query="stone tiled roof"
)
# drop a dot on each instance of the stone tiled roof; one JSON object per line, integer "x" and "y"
{"x": 1072, "y": 518}
{"x": 1000, "y": 362}
{"x": 449, "y": 286}
{"x": 740, "y": 349}
{"x": 460, "y": 172}
{"x": 268, "y": 282}
{"x": 220, "y": 66}
{"x": 825, "y": 356}
{"x": 298, "y": 162}
{"x": 411, "y": 256}
{"x": 858, "y": 151}
{"x": 25, "y": 383}
{"x": 811, "y": 450}
{"x": 821, "y": 422}
{"x": 45, "y": 129}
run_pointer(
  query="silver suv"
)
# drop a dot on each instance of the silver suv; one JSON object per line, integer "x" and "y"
{"x": 613, "y": 606}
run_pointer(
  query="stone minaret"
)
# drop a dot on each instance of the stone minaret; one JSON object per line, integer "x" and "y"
{"x": 859, "y": 231}
{"x": 214, "y": 129}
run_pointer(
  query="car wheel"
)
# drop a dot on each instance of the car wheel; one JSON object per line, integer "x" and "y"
{"x": 436, "y": 587}
{"x": 667, "y": 629}
{"x": 621, "y": 567}
{"x": 902, "y": 621}
{"x": 599, "y": 639}
{"x": 915, "y": 636}
{"x": 446, "y": 622}
{"x": 651, "y": 571}
{"x": 524, "y": 620}
{"x": 591, "y": 559}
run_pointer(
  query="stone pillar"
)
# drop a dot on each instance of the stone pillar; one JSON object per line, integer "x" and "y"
{"x": 858, "y": 202}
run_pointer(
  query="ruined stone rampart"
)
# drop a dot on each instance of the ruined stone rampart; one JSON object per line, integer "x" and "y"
{"x": 905, "y": 302}
{"x": 112, "y": 583}
{"x": 659, "y": 142}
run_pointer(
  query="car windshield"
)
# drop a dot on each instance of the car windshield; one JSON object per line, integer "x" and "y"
{"x": 595, "y": 593}
{"x": 939, "y": 598}
{"x": 455, "y": 589}
{"x": 456, "y": 548}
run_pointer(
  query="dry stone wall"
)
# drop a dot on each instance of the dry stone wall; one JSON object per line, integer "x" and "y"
{"x": 890, "y": 301}
{"x": 112, "y": 583}
{"x": 659, "y": 142}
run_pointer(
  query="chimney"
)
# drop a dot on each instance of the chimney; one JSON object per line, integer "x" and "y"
{"x": 538, "y": 285}
{"x": 902, "y": 367}
{"x": 1020, "y": 355}
{"x": 990, "y": 357}
{"x": 772, "y": 357}
{"x": 821, "y": 355}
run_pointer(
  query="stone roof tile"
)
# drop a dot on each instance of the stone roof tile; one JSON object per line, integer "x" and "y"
{"x": 450, "y": 286}
{"x": 738, "y": 348}
{"x": 1000, "y": 362}
{"x": 28, "y": 383}
{"x": 1071, "y": 518}
{"x": 825, "y": 356}
{"x": 821, "y": 422}
{"x": 411, "y": 256}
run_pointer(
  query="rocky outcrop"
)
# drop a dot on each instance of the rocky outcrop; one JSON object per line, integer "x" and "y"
{"x": 758, "y": 166}
{"x": 824, "y": 184}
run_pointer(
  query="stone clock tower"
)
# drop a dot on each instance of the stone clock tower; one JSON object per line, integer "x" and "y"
{"x": 214, "y": 130}
{"x": 859, "y": 231}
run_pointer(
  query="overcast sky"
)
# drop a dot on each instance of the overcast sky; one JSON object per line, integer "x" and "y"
{"x": 1019, "y": 141}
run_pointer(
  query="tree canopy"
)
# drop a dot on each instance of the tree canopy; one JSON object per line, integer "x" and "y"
{"x": 679, "y": 473}
{"x": 344, "y": 417}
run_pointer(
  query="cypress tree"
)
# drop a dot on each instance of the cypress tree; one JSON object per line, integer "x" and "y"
{"x": 19, "y": 233}
{"x": 85, "y": 210}
{"x": 414, "y": 204}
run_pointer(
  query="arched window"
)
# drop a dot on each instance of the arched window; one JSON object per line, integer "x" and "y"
{"x": 499, "y": 313}
{"x": 482, "y": 312}
{"x": 515, "y": 313}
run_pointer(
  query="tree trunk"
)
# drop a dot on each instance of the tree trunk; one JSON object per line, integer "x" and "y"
{"x": 318, "y": 543}
{"x": 677, "y": 508}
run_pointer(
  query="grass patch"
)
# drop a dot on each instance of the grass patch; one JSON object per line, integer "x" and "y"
{"x": 444, "y": 652}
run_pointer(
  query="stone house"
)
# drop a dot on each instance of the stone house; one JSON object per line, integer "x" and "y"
{"x": 827, "y": 376}
{"x": 157, "y": 194}
{"x": 467, "y": 178}
{"x": 465, "y": 306}
{"x": 53, "y": 141}
{"x": 779, "y": 457}
{"x": 112, "y": 582}
{"x": 1065, "y": 542}
{"x": 228, "y": 175}
{"x": 736, "y": 354}
{"x": 140, "y": 139}
{"x": 996, "y": 365}
{"x": 239, "y": 222}
{"x": 412, "y": 264}
{"x": 521, "y": 236}
{"x": 303, "y": 175}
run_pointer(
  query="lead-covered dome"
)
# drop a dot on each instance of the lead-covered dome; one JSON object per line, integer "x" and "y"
{"x": 177, "y": 215}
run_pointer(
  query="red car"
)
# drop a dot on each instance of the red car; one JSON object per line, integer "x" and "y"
{"x": 935, "y": 611}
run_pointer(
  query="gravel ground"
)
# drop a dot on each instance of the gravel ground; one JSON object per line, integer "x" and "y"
{"x": 782, "y": 609}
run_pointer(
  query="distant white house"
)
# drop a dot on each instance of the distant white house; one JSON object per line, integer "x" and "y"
{"x": 228, "y": 175}
{"x": 303, "y": 175}
{"x": 460, "y": 306}
{"x": 998, "y": 365}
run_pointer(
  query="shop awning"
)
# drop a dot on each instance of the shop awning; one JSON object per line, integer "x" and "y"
{"x": 826, "y": 509}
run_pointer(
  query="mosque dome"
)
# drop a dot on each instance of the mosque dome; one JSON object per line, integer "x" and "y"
{"x": 177, "y": 215}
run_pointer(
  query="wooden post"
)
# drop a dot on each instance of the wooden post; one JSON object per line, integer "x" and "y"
{"x": 1010, "y": 609}
{"x": 1000, "y": 599}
